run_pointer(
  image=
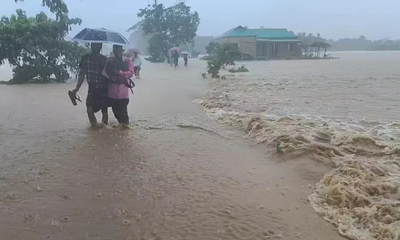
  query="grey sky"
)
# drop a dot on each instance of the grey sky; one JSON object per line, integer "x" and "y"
{"x": 375, "y": 19}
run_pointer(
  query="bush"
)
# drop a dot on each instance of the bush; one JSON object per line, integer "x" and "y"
{"x": 240, "y": 69}
{"x": 223, "y": 55}
{"x": 212, "y": 48}
{"x": 213, "y": 67}
{"x": 246, "y": 57}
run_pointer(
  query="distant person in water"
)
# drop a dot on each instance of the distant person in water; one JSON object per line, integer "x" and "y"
{"x": 185, "y": 59}
{"x": 119, "y": 71}
{"x": 91, "y": 66}
{"x": 175, "y": 58}
{"x": 137, "y": 62}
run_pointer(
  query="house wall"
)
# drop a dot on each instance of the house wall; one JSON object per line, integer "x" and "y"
{"x": 278, "y": 49}
{"x": 283, "y": 49}
{"x": 247, "y": 45}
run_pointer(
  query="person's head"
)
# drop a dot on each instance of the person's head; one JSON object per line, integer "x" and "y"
{"x": 96, "y": 47}
{"x": 118, "y": 51}
{"x": 136, "y": 54}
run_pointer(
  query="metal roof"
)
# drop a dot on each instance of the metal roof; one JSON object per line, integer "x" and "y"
{"x": 278, "y": 40}
{"x": 277, "y": 33}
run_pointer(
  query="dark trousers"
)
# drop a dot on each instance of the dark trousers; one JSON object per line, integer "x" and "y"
{"x": 120, "y": 110}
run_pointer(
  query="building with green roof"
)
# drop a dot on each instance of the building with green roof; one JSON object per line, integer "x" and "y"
{"x": 263, "y": 43}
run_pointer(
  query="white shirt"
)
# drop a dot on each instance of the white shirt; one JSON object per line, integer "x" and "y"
{"x": 137, "y": 61}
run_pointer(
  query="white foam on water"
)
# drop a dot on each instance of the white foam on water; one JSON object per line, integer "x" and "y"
{"x": 326, "y": 114}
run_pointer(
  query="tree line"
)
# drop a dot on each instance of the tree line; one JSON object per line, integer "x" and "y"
{"x": 351, "y": 44}
{"x": 37, "y": 49}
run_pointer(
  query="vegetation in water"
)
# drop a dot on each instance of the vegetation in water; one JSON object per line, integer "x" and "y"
{"x": 221, "y": 55}
{"x": 167, "y": 27}
{"x": 37, "y": 49}
{"x": 239, "y": 69}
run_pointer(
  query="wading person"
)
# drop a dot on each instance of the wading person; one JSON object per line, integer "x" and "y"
{"x": 119, "y": 72}
{"x": 175, "y": 58}
{"x": 185, "y": 59}
{"x": 91, "y": 66}
{"x": 137, "y": 63}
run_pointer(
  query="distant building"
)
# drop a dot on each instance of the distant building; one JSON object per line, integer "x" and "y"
{"x": 263, "y": 43}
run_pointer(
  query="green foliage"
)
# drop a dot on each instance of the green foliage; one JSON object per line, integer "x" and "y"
{"x": 213, "y": 67}
{"x": 240, "y": 69}
{"x": 247, "y": 57}
{"x": 58, "y": 7}
{"x": 37, "y": 48}
{"x": 168, "y": 27}
{"x": 156, "y": 50}
{"x": 222, "y": 55}
{"x": 228, "y": 54}
{"x": 212, "y": 48}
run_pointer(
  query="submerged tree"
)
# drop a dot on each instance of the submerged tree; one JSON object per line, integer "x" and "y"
{"x": 168, "y": 27}
{"x": 212, "y": 48}
{"x": 320, "y": 45}
{"x": 222, "y": 55}
{"x": 325, "y": 46}
{"x": 37, "y": 49}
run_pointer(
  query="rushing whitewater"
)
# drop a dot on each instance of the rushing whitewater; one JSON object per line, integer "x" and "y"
{"x": 342, "y": 112}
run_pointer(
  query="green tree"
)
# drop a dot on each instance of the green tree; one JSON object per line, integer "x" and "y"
{"x": 37, "y": 49}
{"x": 222, "y": 55}
{"x": 212, "y": 48}
{"x": 325, "y": 46}
{"x": 58, "y": 7}
{"x": 317, "y": 46}
{"x": 168, "y": 27}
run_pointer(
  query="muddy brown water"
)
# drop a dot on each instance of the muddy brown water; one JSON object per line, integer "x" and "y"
{"x": 176, "y": 175}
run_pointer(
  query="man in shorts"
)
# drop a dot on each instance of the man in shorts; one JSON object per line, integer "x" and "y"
{"x": 91, "y": 66}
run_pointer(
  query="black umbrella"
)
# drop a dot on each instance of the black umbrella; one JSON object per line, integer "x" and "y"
{"x": 101, "y": 35}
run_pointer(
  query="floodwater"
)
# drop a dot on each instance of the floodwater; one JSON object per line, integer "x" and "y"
{"x": 343, "y": 113}
{"x": 178, "y": 173}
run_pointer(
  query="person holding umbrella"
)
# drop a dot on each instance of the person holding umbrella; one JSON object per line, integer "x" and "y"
{"x": 137, "y": 62}
{"x": 91, "y": 66}
{"x": 185, "y": 57}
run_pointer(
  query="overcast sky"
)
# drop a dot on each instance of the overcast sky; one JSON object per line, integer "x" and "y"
{"x": 375, "y": 19}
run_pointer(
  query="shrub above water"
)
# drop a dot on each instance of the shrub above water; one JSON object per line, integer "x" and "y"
{"x": 240, "y": 69}
{"x": 220, "y": 56}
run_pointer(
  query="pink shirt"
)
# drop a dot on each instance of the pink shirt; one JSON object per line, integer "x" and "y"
{"x": 120, "y": 91}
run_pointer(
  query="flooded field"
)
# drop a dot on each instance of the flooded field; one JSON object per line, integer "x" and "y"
{"x": 179, "y": 174}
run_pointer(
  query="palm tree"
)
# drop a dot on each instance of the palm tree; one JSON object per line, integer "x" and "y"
{"x": 319, "y": 45}
{"x": 325, "y": 46}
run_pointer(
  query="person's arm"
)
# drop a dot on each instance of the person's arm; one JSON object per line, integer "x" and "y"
{"x": 81, "y": 76}
{"x": 140, "y": 61}
{"x": 130, "y": 72}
